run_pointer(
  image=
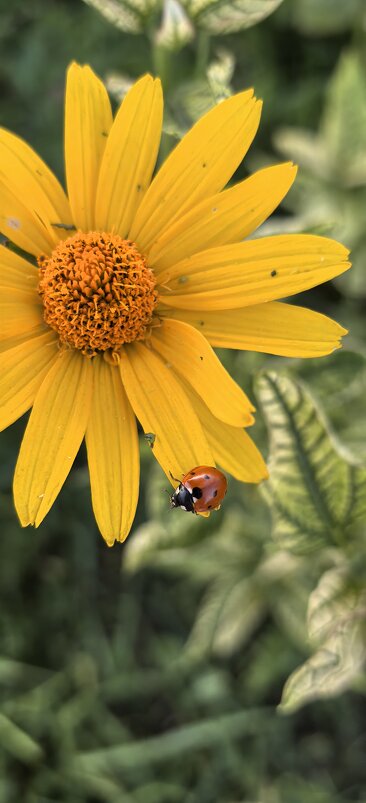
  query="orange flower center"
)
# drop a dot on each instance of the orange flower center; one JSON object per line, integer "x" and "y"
{"x": 97, "y": 292}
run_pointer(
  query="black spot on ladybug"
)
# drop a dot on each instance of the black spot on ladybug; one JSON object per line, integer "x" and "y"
{"x": 209, "y": 507}
{"x": 192, "y": 473}
{"x": 215, "y": 493}
{"x": 206, "y": 477}
{"x": 196, "y": 492}
{"x": 273, "y": 273}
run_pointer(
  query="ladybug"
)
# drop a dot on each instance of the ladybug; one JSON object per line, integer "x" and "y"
{"x": 200, "y": 491}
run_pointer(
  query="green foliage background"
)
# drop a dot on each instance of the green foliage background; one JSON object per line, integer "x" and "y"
{"x": 220, "y": 660}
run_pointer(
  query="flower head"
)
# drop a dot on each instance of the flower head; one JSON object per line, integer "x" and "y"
{"x": 137, "y": 279}
{"x": 97, "y": 291}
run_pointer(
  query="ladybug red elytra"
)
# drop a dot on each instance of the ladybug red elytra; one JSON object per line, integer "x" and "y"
{"x": 200, "y": 491}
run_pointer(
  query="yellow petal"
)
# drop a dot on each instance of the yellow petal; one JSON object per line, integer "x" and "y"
{"x": 28, "y": 178}
{"x": 130, "y": 156}
{"x": 10, "y": 342}
{"x": 17, "y": 274}
{"x": 233, "y": 449}
{"x": 226, "y": 217}
{"x": 200, "y": 165}
{"x": 53, "y": 436}
{"x": 162, "y": 407}
{"x": 21, "y": 309}
{"x": 18, "y": 315}
{"x": 22, "y": 370}
{"x": 273, "y": 328}
{"x": 88, "y": 119}
{"x": 113, "y": 454}
{"x": 183, "y": 347}
{"x": 21, "y": 226}
{"x": 253, "y": 272}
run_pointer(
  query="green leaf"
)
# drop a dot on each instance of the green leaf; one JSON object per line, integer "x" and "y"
{"x": 325, "y": 17}
{"x": 19, "y": 743}
{"x": 191, "y": 100}
{"x": 315, "y": 493}
{"x": 174, "y": 744}
{"x": 220, "y": 73}
{"x": 126, "y": 15}
{"x": 118, "y": 85}
{"x": 331, "y": 188}
{"x": 176, "y": 30}
{"x": 344, "y": 120}
{"x": 241, "y": 596}
{"x": 152, "y": 544}
{"x": 343, "y": 381}
{"x": 303, "y": 147}
{"x": 229, "y": 613}
{"x": 339, "y": 389}
{"x": 226, "y": 16}
{"x": 336, "y": 627}
{"x": 194, "y": 98}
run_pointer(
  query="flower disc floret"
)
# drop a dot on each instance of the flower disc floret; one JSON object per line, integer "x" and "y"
{"x": 97, "y": 291}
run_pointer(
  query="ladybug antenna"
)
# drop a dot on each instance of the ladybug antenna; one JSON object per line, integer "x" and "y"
{"x": 173, "y": 478}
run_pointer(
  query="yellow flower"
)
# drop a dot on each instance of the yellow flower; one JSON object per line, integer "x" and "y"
{"x": 136, "y": 281}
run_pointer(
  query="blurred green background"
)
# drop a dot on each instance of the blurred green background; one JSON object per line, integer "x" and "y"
{"x": 152, "y": 672}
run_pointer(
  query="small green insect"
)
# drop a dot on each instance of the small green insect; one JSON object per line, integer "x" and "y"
{"x": 150, "y": 438}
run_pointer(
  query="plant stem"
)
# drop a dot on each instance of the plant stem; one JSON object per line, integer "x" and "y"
{"x": 202, "y": 53}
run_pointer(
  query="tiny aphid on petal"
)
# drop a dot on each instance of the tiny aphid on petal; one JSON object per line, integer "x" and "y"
{"x": 150, "y": 438}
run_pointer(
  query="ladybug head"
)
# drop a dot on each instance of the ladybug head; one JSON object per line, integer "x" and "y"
{"x": 182, "y": 498}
